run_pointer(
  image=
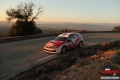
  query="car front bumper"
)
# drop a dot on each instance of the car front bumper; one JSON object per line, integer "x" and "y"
{"x": 57, "y": 50}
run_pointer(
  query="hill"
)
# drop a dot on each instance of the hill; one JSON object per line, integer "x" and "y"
{"x": 77, "y": 26}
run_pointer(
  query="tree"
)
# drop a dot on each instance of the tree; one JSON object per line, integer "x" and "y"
{"x": 25, "y": 21}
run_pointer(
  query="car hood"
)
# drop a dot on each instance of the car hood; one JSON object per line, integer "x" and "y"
{"x": 55, "y": 43}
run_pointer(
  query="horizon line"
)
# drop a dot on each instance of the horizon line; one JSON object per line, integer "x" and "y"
{"x": 70, "y": 22}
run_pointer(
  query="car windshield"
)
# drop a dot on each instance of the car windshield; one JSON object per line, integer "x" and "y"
{"x": 61, "y": 38}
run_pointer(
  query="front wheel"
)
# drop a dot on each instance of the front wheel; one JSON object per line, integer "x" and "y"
{"x": 63, "y": 50}
{"x": 80, "y": 44}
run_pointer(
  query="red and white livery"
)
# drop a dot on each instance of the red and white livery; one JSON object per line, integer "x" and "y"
{"x": 64, "y": 42}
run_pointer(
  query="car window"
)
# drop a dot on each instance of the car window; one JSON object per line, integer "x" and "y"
{"x": 61, "y": 38}
{"x": 78, "y": 34}
{"x": 75, "y": 36}
{"x": 70, "y": 37}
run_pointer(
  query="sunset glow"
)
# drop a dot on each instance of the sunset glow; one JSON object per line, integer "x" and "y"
{"x": 79, "y": 11}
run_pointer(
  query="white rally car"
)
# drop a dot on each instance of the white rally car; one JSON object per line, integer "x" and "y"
{"x": 64, "y": 42}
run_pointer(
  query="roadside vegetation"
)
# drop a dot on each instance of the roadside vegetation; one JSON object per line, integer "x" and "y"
{"x": 116, "y": 28}
{"x": 116, "y": 58}
{"x": 67, "y": 30}
{"x": 64, "y": 30}
{"x": 25, "y": 20}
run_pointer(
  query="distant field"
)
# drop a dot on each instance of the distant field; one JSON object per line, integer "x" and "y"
{"x": 5, "y": 29}
{"x": 50, "y": 31}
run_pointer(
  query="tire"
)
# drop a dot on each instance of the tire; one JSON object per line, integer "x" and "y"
{"x": 80, "y": 44}
{"x": 63, "y": 50}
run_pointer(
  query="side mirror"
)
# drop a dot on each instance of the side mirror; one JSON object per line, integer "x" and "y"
{"x": 68, "y": 40}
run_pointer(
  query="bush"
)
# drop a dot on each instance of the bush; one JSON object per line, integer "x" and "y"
{"x": 116, "y": 28}
{"x": 22, "y": 28}
{"x": 104, "y": 44}
{"x": 38, "y": 31}
{"x": 86, "y": 52}
{"x": 64, "y": 30}
{"x": 116, "y": 58}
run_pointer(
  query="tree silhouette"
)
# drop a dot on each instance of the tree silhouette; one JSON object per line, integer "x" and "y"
{"x": 116, "y": 28}
{"x": 25, "y": 20}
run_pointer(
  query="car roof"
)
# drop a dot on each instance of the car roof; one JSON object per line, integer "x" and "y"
{"x": 67, "y": 34}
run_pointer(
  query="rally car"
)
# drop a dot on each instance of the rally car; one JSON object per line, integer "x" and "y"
{"x": 64, "y": 42}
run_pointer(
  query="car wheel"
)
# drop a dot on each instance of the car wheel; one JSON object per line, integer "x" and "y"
{"x": 80, "y": 44}
{"x": 63, "y": 50}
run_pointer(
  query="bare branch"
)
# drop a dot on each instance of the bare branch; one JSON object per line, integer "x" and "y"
{"x": 39, "y": 11}
{"x": 24, "y": 12}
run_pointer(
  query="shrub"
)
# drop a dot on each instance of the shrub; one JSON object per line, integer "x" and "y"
{"x": 104, "y": 44}
{"x": 45, "y": 78}
{"x": 86, "y": 52}
{"x": 38, "y": 31}
{"x": 81, "y": 61}
{"x": 22, "y": 28}
{"x": 116, "y": 58}
{"x": 64, "y": 30}
{"x": 116, "y": 28}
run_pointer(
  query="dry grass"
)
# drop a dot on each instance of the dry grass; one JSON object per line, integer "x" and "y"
{"x": 116, "y": 58}
{"x": 89, "y": 68}
{"x": 103, "y": 44}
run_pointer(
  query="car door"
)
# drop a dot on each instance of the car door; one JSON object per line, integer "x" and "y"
{"x": 70, "y": 42}
{"x": 75, "y": 40}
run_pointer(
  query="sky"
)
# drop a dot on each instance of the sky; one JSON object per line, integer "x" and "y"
{"x": 78, "y": 11}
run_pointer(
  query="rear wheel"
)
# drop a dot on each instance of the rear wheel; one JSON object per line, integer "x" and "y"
{"x": 63, "y": 50}
{"x": 80, "y": 44}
